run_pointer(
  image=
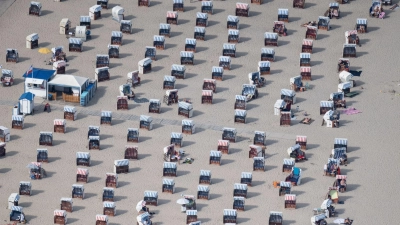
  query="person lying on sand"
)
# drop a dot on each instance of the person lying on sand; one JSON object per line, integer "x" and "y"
{"x": 310, "y": 23}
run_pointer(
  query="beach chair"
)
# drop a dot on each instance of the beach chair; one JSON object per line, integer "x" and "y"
{"x": 170, "y": 169}
{"x": 203, "y": 192}
{"x": 12, "y": 55}
{"x": 7, "y": 77}
{"x": 191, "y": 216}
{"x": 164, "y": 30}
{"x": 349, "y": 50}
{"x": 233, "y": 36}
{"x": 223, "y": 146}
{"x": 290, "y": 201}
{"x": 215, "y": 157}
{"x": 217, "y": 72}
{"x": 132, "y": 135}
{"x": 187, "y": 58}
{"x": 270, "y": 39}
{"x": 66, "y": 204}
{"x": 35, "y": 8}
{"x": 299, "y": 4}
{"x": 307, "y": 46}
{"x": 106, "y": 117}
{"x": 172, "y": 17}
{"x": 46, "y": 138}
{"x": 169, "y": 82}
{"x": 78, "y": 191}
{"x": 159, "y": 42}
{"x": 176, "y": 139}
{"x": 206, "y": 96}
{"x": 102, "y": 73}
{"x": 205, "y": 177}
{"x": 125, "y": 26}
{"x": 83, "y": 159}
{"x": 131, "y": 152}
{"x": 210, "y": 84}
{"x": 32, "y": 41}
{"x": 25, "y": 188}
{"x": 242, "y": 9}
{"x": 144, "y": 3}
{"x": 283, "y": 15}
{"x": 288, "y": 164}
{"x": 112, "y": 180}
{"x": 116, "y": 38}
{"x": 294, "y": 177}
{"x": 101, "y": 219}
{"x": 199, "y": 33}
{"x": 230, "y": 216}
{"x": 339, "y": 154}
{"x": 178, "y": 71}
{"x": 121, "y": 166}
{"x": 190, "y": 45}
{"x": 229, "y": 134}
{"x": 332, "y": 168}
{"x": 168, "y": 185}
{"x": 280, "y": 28}
{"x": 109, "y": 209}
{"x": 240, "y": 190}
{"x": 75, "y": 45}
{"x": 146, "y": 122}
{"x": 296, "y": 153}
{"x": 151, "y": 198}
{"x": 305, "y": 59}
{"x": 264, "y": 67}
{"x": 259, "y": 164}
{"x": 311, "y": 32}
{"x": 60, "y": 217}
{"x": 229, "y": 50}
{"x": 82, "y": 175}
{"x": 201, "y": 19}
{"x": 267, "y": 54}
{"x": 259, "y": 138}
{"x": 238, "y": 203}
{"x": 361, "y": 25}
{"x": 188, "y": 127}
{"x": 255, "y": 151}
{"x": 85, "y": 21}
{"x": 275, "y": 218}
{"x": 122, "y": 102}
{"x": 207, "y": 7}
{"x": 302, "y": 141}
{"x": 185, "y": 109}
{"x": 41, "y": 156}
{"x": 108, "y": 194}
{"x": 340, "y": 183}
{"x": 340, "y": 143}
{"x": 232, "y": 22}
{"x": 246, "y": 178}
{"x": 144, "y": 65}
{"x": 178, "y": 5}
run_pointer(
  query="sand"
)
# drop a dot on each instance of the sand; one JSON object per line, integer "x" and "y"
{"x": 372, "y": 134}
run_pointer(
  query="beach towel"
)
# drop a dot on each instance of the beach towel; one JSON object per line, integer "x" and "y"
{"x": 351, "y": 111}
{"x": 381, "y": 15}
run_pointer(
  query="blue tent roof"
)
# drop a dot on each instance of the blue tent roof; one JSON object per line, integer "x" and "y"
{"x": 28, "y": 96}
{"x": 38, "y": 73}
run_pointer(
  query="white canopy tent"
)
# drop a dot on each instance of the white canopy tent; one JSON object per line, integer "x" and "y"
{"x": 69, "y": 81}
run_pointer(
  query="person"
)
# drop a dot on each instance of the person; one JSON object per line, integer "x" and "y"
{"x": 47, "y": 107}
{"x": 331, "y": 208}
{"x": 342, "y": 184}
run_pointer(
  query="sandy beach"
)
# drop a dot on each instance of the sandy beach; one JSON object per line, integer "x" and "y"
{"x": 372, "y": 134}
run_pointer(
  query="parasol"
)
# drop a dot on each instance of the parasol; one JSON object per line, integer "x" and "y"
{"x": 44, "y": 51}
{"x": 32, "y": 166}
{"x": 182, "y": 201}
{"x": 140, "y": 205}
{"x": 339, "y": 221}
